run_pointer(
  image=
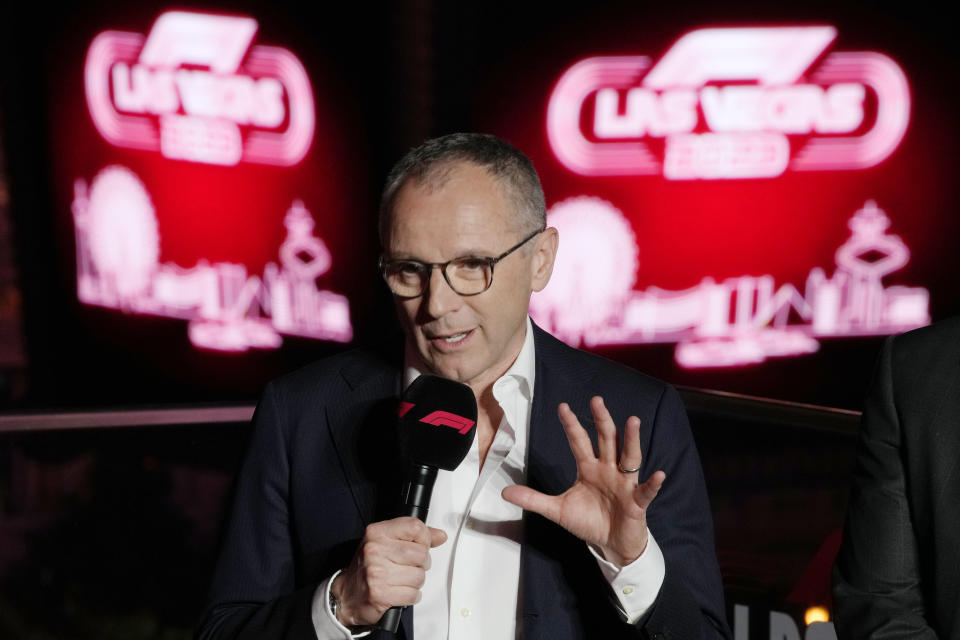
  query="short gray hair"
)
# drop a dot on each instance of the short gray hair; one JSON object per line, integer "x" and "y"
{"x": 432, "y": 161}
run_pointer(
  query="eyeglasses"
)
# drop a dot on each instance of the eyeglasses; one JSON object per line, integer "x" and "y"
{"x": 467, "y": 276}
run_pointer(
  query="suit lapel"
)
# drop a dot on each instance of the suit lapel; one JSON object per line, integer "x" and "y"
{"x": 362, "y": 425}
{"x": 944, "y": 440}
{"x": 551, "y": 468}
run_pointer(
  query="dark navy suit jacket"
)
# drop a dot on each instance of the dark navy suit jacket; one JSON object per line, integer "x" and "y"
{"x": 898, "y": 571}
{"x": 322, "y": 465}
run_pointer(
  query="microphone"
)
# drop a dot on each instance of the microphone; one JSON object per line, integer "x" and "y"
{"x": 437, "y": 425}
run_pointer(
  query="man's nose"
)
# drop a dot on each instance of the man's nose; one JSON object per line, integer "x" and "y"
{"x": 440, "y": 297}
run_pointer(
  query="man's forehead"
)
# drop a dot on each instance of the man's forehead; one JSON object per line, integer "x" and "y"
{"x": 467, "y": 217}
{"x": 437, "y": 177}
{"x": 463, "y": 189}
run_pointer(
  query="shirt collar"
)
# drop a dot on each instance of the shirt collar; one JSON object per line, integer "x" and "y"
{"x": 523, "y": 368}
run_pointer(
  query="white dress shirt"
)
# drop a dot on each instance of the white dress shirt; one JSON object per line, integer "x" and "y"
{"x": 471, "y": 587}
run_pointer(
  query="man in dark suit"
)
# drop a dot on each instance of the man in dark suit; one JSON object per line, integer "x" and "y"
{"x": 543, "y": 536}
{"x": 897, "y": 574}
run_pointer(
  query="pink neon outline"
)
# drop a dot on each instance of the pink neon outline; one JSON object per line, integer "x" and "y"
{"x": 662, "y": 117}
{"x": 220, "y": 139}
{"x": 700, "y": 144}
{"x": 887, "y": 79}
{"x": 740, "y": 320}
{"x": 563, "y": 119}
{"x": 138, "y": 132}
{"x": 206, "y": 39}
{"x": 868, "y": 226}
{"x": 778, "y": 55}
{"x": 446, "y": 419}
{"x": 770, "y": 55}
{"x": 289, "y": 147}
{"x": 599, "y": 273}
{"x": 227, "y": 308}
{"x": 285, "y": 148}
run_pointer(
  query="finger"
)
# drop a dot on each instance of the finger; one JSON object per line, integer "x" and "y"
{"x": 394, "y": 596}
{"x": 408, "y": 528}
{"x": 646, "y": 492}
{"x": 579, "y": 441}
{"x": 403, "y": 576}
{"x": 606, "y": 430}
{"x": 437, "y": 536}
{"x": 412, "y": 554}
{"x": 533, "y": 500}
{"x": 631, "y": 456}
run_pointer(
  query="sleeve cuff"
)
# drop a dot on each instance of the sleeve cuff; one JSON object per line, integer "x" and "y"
{"x": 636, "y": 585}
{"x": 324, "y": 622}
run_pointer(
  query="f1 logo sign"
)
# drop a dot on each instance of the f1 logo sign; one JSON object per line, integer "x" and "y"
{"x": 728, "y": 103}
{"x": 194, "y": 89}
{"x": 447, "y": 419}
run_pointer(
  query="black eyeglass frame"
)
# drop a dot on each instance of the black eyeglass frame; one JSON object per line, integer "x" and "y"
{"x": 429, "y": 266}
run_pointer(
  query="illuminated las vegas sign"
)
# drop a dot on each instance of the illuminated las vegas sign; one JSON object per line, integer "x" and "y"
{"x": 722, "y": 104}
{"x": 195, "y": 89}
{"x": 727, "y": 103}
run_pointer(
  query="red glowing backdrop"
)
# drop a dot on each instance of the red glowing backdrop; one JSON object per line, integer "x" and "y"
{"x": 209, "y": 181}
{"x": 729, "y": 244}
{"x": 723, "y": 248}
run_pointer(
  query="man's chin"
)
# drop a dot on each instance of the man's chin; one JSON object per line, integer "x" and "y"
{"x": 453, "y": 371}
{"x": 454, "y": 367}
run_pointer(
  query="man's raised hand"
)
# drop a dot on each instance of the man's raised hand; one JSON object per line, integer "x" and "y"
{"x": 605, "y": 506}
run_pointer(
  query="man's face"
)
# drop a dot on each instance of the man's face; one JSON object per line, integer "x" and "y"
{"x": 473, "y": 339}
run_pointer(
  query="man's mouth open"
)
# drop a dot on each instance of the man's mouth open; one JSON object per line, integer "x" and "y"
{"x": 449, "y": 341}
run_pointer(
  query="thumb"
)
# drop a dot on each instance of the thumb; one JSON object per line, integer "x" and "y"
{"x": 533, "y": 500}
{"x": 437, "y": 537}
{"x": 646, "y": 492}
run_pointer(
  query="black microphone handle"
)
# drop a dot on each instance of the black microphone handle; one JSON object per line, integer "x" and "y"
{"x": 415, "y": 499}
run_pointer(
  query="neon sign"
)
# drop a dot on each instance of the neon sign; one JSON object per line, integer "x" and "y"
{"x": 727, "y": 103}
{"x": 194, "y": 89}
{"x": 738, "y": 321}
{"x": 118, "y": 248}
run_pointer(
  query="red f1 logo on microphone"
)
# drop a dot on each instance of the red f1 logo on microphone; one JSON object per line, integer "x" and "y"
{"x": 403, "y": 408}
{"x": 447, "y": 419}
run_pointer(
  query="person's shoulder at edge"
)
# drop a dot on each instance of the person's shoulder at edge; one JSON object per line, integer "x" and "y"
{"x": 923, "y": 350}
{"x": 611, "y": 375}
{"x": 937, "y": 337}
{"x": 351, "y": 367}
{"x": 297, "y": 393}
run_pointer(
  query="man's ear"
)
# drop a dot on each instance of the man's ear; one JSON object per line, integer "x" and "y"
{"x": 544, "y": 253}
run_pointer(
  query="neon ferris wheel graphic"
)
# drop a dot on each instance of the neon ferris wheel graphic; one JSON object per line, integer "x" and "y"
{"x": 735, "y": 322}
{"x": 227, "y": 309}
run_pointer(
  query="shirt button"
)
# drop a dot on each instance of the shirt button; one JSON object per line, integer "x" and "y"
{"x": 627, "y": 591}
{"x": 465, "y": 612}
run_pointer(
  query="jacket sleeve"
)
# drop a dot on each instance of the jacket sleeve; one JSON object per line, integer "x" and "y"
{"x": 253, "y": 593}
{"x": 876, "y": 579}
{"x": 690, "y": 603}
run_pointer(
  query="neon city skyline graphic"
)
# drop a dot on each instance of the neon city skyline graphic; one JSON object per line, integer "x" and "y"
{"x": 227, "y": 308}
{"x": 738, "y": 321}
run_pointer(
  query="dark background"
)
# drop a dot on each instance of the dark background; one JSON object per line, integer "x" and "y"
{"x": 383, "y": 80}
